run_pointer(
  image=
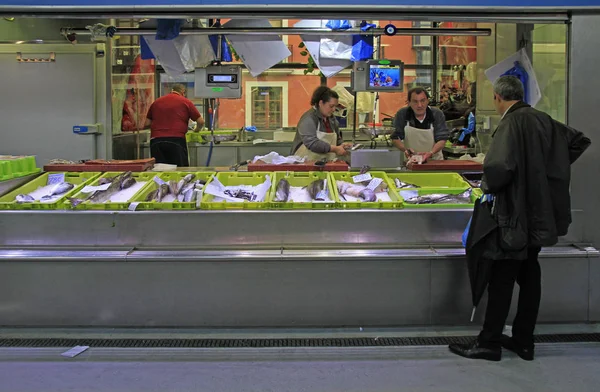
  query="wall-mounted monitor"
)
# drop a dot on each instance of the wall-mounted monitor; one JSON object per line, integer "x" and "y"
{"x": 378, "y": 75}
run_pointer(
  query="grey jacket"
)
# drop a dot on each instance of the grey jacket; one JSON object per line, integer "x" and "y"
{"x": 306, "y": 132}
{"x": 434, "y": 116}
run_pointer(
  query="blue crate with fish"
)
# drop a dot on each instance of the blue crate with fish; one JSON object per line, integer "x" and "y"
{"x": 302, "y": 190}
{"x": 427, "y": 180}
{"x": 440, "y": 198}
{"x": 173, "y": 191}
{"x": 17, "y": 166}
{"x": 354, "y": 190}
{"x": 111, "y": 191}
{"x": 238, "y": 190}
{"x": 46, "y": 192}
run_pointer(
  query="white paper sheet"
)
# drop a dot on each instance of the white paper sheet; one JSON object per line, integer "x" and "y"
{"x": 75, "y": 351}
{"x": 329, "y": 67}
{"x": 259, "y": 53}
{"x": 533, "y": 88}
{"x": 276, "y": 159}
{"x": 336, "y": 47}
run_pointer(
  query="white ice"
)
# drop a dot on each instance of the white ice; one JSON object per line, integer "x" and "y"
{"x": 126, "y": 194}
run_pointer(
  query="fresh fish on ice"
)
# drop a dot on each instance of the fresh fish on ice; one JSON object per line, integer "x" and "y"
{"x": 173, "y": 188}
{"x": 105, "y": 195}
{"x": 442, "y": 198}
{"x": 24, "y": 199}
{"x": 127, "y": 183}
{"x": 402, "y": 185}
{"x": 315, "y": 188}
{"x": 367, "y": 195}
{"x": 282, "y": 192}
{"x": 162, "y": 191}
{"x": 184, "y": 181}
{"x": 58, "y": 189}
{"x": 152, "y": 195}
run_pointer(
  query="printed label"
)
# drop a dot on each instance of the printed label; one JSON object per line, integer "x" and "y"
{"x": 92, "y": 189}
{"x": 56, "y": 178}
{"x": 362, "y": 178}
{"x": 133, "y": 206}
{"x": 375, "y": 182}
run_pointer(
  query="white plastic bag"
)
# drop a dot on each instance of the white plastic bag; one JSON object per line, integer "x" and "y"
{"x": 336, "y": 47}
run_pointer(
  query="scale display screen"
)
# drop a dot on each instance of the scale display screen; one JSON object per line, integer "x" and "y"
{"x": 222, "y": 78}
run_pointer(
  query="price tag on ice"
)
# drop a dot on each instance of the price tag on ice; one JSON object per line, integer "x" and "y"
{"x": 362, "y": 178}
{"x": 133, "y": 206}
{"x": 56, "y": 178}
{"x": 158, "y": 181}
{"x": 375, "y": 182}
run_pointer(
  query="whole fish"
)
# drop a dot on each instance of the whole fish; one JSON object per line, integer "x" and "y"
{"x": 315, "y": 188}
{"x": 24, "y": 199}
{"x": 127, "y": 183}
{"x": 105, "y": 180}
{"x": 367, "y": 195}
{"x": 99, "y": 196}
{"x": 282, "y": 192}
{"x": 163, "y": 190}
{"x": 402, "y": 185}
{"x": 442, "y": 198}
{"x": 58, "y": 189}
{"x": 184, "y": 181}
{"x": 173, "y": 188}
{"x": 152, "y": 195}
{"x": 189, "y": 195}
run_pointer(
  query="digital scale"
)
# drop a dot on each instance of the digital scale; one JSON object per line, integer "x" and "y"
{"x": 218, "y": 81}
{"x": 378, "y": 76}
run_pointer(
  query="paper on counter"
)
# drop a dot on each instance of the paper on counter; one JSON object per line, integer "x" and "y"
{"x": 329, "y": 67}
{"x": 276, "y": 159}
{"x": 92, "y": 189}
{"x": 533, "y": 88}
{"x": 75, "y": 351}
{"x": 217, "y": 189}
{"x": 259, "y": 53}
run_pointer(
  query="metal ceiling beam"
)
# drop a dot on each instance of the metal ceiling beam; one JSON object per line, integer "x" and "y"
{"x": 297, "y": 31}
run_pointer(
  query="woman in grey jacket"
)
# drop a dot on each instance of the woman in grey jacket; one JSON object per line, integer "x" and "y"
{"x": 318, "y": 133}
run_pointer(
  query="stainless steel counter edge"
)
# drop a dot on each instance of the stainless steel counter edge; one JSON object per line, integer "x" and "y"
{"x": 134, "y": 255}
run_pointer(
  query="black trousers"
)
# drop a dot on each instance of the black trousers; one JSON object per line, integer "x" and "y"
{"x": 171, "y": 150}
{"x": 528, "y": 275}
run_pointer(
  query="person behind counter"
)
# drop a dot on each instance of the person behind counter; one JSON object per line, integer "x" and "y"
{"x": 420, "y": 129}
{"x": 318, "y": 133}
{"x": 168, "y": 119}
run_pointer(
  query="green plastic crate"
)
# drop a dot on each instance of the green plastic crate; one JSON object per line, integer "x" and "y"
{"x": 113, "y": 206}
{"x": 475, "y": 194}
{"x": 17, "y": 166}
{"x": 238, "y": 178}
{"x": 430, "y": 180}
{"x": 196, "y": 137}
{"x": 302, "y": 179}
{"x": 175, "y": 205}
{"x": 347, "y": 176}
{"x": 7, "y": 202}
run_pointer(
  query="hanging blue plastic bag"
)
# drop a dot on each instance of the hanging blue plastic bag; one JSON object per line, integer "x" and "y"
{"x": 362, "y": 45}
{"x": 519, "y": 72}
{"x": 469, "y": 129}
{"x": 214, "y": 41}
{"x": 338, "y": 24}
{"x": 465, "y": 234}
{"x": 145, "y": 51}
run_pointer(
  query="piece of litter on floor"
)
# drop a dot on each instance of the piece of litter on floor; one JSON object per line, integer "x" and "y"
{"x": 75, "y": 351}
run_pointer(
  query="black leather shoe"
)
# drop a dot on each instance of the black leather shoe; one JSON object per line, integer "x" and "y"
{"x": 511, "y": 345}
{"x": 475, "y": 351}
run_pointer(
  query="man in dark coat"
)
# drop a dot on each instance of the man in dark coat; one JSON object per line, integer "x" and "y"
{"x": 528, "y": 169}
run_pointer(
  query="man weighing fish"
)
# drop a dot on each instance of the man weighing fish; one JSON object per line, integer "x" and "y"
{"x": 420, "y": 129}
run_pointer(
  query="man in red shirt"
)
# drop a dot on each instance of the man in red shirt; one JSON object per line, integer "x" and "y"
{"x": 168, "y": 118}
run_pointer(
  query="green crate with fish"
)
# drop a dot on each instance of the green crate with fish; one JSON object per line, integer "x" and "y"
{"x": 238, "y": 190}
{"x": 427, "y": 180}
{"x": 173, "y": 191}
{"x": 110, "y": 191}
{"x": 46, "y": 192}
{"x": 12, "y": 166}
{"x": 302, "y": 190}
{"x": 440, "y": 198}
{"x": 365, "y": 189}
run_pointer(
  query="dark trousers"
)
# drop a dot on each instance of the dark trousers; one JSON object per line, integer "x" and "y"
{"x": 528, "y": 275}
{"x": 171, "y": 150}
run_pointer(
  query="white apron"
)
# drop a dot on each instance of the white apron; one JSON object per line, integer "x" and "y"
{"x": 330, "y": 138}
{"x": 421, "y": 140}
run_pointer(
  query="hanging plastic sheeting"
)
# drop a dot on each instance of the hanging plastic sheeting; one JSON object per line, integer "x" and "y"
{"x": 328, "y": 67}
{"x": 259, "y": 53}
{"x": 338, "y": 47}
{"x": 362, "y": 45}
{"x": 182, "y": 54}
{"x": 519, "y": 72}
{"x": 138, "y": 97}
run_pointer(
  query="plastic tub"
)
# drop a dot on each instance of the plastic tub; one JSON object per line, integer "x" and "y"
{"x": 394, "y": 204}
{"x": 475, "y": 194}
{"x": 430, "y": 180}
{"x": 174, "y": 205}
{"x": 7, "y": 202}
{"x": 17, "y": 166}
{"x": 302, "y": 179}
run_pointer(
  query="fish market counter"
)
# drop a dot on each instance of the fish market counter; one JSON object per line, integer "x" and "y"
{"x": 231, "y": 269}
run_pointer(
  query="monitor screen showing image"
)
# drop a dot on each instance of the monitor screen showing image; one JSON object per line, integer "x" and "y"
{"x": 384, "y": 76}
